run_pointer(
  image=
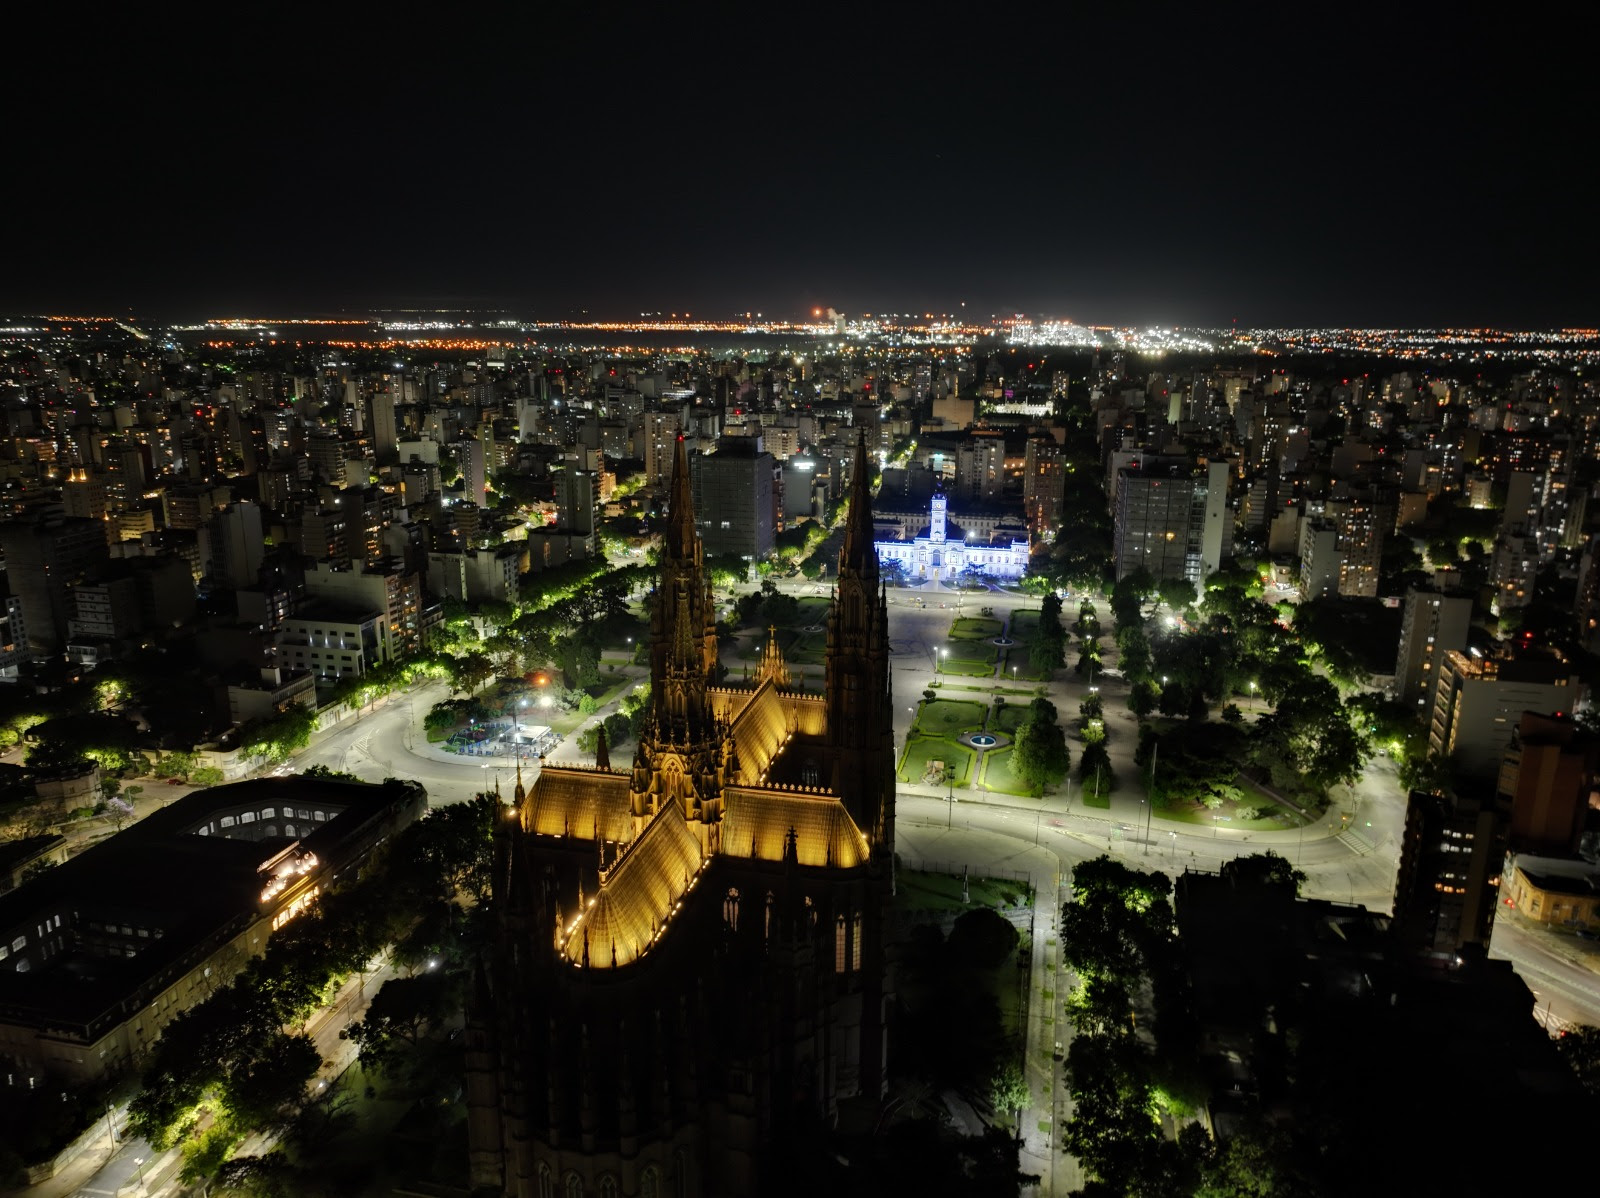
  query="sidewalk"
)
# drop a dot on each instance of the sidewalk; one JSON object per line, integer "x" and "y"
{"x": 983, "y": 851}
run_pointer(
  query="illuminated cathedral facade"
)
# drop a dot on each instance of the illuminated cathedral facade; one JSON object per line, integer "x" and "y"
{"x": 689, "y": 974}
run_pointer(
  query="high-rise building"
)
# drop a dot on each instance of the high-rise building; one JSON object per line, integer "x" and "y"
{"x": 578, "y": 505}
{"x": 715, "y": 983}
{"x": 660, "y": 433}
{"x": 1361, "y": 523}
{"x": 1043, "y": 480}
{"x": 1159, "y": 520}
{"x": 1435, "y": 622}
{"x": 1478, "y": 702}
{"x": 385, "y": 430}
{"x": 232, "y": 545}
{"x": 44, "y": 557}
{"x": 1449, "y": 878}
{"x": 735, "y": 500}
{"x": 1547, "y": 776}
{"x": 474, "y": 463}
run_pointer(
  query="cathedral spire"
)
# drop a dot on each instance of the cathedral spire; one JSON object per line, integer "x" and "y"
{"x": 859, "y": 555}
{"x": 681, "y": 540}
{"x": 772, "y": 664}
{"x": 602, "y": 755}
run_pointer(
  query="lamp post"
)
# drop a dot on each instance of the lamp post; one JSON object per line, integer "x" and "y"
{"x": 1150, "y": 795}
{"x": 950, "y": 803}
{"x": 138, "y": 1163}
{"x": 1252, "y": 696}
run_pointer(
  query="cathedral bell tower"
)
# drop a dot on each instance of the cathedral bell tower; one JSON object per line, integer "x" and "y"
{"x": 684, "y": 750}
{"x": 860, "y": 706}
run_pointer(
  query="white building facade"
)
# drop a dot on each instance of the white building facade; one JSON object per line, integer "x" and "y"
{"x": 937, "y": 557}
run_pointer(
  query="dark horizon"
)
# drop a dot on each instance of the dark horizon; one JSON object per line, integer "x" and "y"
{"x": 1364, "y": 172}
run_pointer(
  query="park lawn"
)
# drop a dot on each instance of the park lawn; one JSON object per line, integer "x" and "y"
{"x": 967, "y": 669}
{"x": 1017, "y": 660}
{"x": 941, "y": 717}
{"x": 808, "y": 648}
{"x": 1274, "y": 817}
{"x": 922, "y": 749}
{"x": 1088, "y": 797}
{"x": 997, "y": 774}
{"x": 974, "y": 628}
{"x": 1024, "y": 624}
{"x": 919, "y": 891}
{"x": 1007, "y": 718}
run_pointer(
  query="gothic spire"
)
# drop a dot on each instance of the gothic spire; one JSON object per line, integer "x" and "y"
{"x": 679, "y": 534}
{"x": 602, "y": 755}
{"x": 772, "y": 664}
{"x": 859, "y": 555}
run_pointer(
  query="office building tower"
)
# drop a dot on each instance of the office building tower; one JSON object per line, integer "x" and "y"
{"x": 1449, "y": 877}
{"x": 1436, "y": 621}
{"x": 44, "y": 556}
{"x": 1477, "y": 703}
{"x": 735, "y": 499}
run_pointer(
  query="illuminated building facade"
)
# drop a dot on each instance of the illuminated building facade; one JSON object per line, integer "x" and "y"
{"x": 937, "y": 554}
{"x": 689, "y": 976}
{"x": 98, "y": 955}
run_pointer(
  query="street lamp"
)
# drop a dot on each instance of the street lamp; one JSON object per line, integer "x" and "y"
{"x": 138, "y": 1162}
{"x": 1252, "y": 696}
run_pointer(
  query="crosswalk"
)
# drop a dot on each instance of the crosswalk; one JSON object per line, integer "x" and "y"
{"x": 1355, "y": 842}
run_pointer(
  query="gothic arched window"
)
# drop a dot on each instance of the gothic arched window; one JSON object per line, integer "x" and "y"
{"x": 547, "y": 1184}
{"x": 771, "y": 906}
{"x": 574, "y": 1186}
{"x": 730, "y": 909}
{"x": 608, "y": 1186}
{"x": 855, "y": 944}
{"x": 680, "y": 1173}
{"x": 650, "y": 1183}
{"x": 839, "y": 937}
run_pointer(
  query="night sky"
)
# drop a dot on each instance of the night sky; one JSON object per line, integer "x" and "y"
{"x": 1163, "y": 170}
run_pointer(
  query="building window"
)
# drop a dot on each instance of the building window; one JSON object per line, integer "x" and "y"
{"x": 547, "y": 1184}
{"x": 730, "y": 910}
{"x": 650, "y": 1183}
{"x": 771, "y": 903}
{"x": 608, "y": 1186}
{"x": 855, "y": 944}
{"x": 574, "y": 1186}
{"x": 839, "y": 944}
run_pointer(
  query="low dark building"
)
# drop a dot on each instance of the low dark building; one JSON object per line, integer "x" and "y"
{"x": 98, "y": 955}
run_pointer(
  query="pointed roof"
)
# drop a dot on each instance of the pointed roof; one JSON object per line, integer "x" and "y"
{"x": 772, "y": 664}
{"x": 679, "y": 533}
{"x": 859, "y": 553}
{"x": 602, "y": 754}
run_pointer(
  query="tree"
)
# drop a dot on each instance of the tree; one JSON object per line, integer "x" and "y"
{"x": 403, "y": 1013}
{"x": 981, "y": 939}
{"x": 451, "y": 851}
{"x": 1039, "y": 755}
{"x": 277, "y": 737}
{"x": 1263, "y": 870}
{"x": 1008, "y": 1090}
{"x": 1581, "y": 1050}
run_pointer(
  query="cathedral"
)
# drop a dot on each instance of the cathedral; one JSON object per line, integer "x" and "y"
{"x": 689, "y": 971}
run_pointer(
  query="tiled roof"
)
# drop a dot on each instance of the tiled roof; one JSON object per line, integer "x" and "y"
{"x": 637, "y": 895}
{"x": 755, "y": 823}
{"x": 578, "y": 802}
